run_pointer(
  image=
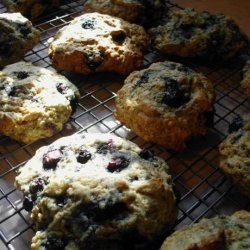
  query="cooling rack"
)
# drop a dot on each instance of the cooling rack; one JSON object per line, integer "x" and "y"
{"x": 203, "y": 189}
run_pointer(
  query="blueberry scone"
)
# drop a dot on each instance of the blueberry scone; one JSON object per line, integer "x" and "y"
{"x": 96, "y": 191}
{"x": 34, "y": 102}
{"x": 96, "y": 43}
{"x": 17, "y": 37}
{"x": 145, "y": 12}
{"x": 234, "y": 151}
{"x": 189, "y": 33}
{"x": 31, "y": 8}
{"x": 245, "y": 83}
{"x": 166, "y": 103}
{"x": 221, "y": 232}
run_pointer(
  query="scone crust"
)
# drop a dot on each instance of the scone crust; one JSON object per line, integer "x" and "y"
{"x": 235, "y": 160}
{"x": 140, "y": 105}
{"x": 96, "y": 43}
{"x": 145, "y": 12}
{"x": 139, "y": 193}
{"x": 245, "y": 83}
{"x": 17, "y": 37}
{"x": 189, "y": 33}
{"x": 31, "y": 105}
{"x": 221, "y": 232}
{"x": 30, "y": 8}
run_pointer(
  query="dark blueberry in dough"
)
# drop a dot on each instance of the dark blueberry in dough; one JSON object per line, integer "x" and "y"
{"x": 83, "y": 156}
{"x": 117, "y": 164}
{"x": 61, "y": 201}
{"x": 236, "y": 124}
{"x": 146, "y": 154}
{"x": 145, "y": 77}
{"x": 73, "y": 103}
{"x": 107, "y": 147}
{"x": 94, "y": 59}
{"x": 24, "y": 30}
{"x": 37, "y": 185}
{"x": 22, "y": 75}
{"x": 62, "y": 88}
{"x": 118, "y": 36}
{"x": 89, "y": 24}
{"x": 54, "y": 243}
{"x": 51, "y": 159}
{"x": 10, "y": 90}
{"x": 27, "y": 203}
{"x": 174, "y": 96}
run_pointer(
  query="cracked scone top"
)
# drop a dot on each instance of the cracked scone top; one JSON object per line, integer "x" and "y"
{"x": 34, "y": 102}
{"x": 190, "y": 33}
{"x": 166, "y": 103}
{"x": 145, "y": 12}
{"x": 31, "y": 8}
{"x": 96, "y": 43}
{"x": 221, "y": 232}
{"x": 234, "y": 154}
{"x": 17, "y": 37}
{"x": 88, "y": 191}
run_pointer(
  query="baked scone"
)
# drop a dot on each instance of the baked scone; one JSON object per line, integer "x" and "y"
{"x": 245, "y": 83}
{"x": 34, "y": 102}
{"x": 96, "y": 43}
{"x": 17, "y": 37}
{"x": 189, "y": 33}
{"x": 93, "y": 191}
{"x": 221, "y": 232}
{"x": 234, "y": 151}
{"x": 166, "y": 103}
{"x": 145, "y": 12}
{"x": 31, "y": 8}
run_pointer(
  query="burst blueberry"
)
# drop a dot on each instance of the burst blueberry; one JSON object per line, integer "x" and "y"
{"x": 51, "y": 159}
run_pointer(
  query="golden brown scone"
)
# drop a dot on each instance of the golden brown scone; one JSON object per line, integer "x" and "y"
{"x": 221, "y": 232}
{"x": 234, "y": 151}
{"x": 245, "y": 83}
{"x": 34, "y": 102}
{"x": 166, "y": 103}
{"x": 146, "y": 12}
{"x": 17, "y": 37}
{"x": 97, "y": 43}
{"x": 93, "y": 191}
{"x": 189, "y": 33}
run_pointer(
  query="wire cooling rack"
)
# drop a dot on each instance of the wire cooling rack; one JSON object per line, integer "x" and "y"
{"x": 204, "y": 190}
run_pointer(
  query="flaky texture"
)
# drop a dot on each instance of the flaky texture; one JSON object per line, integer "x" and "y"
{"x": 96, "y": 43}
{"x": 245, "y": 83}
{"x": 34, "y": 102}
{"x": 31, "y": 8}
{"x": 235, "y": 160}
{"x": 166, "y": 103}
{"x": 94, "y": 191}
{"x": 221, "y": 232}
{"x": 189, "y": 33}
{"x": 17, "y": 37}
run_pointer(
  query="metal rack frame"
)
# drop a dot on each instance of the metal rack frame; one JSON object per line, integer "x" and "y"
{"x": 204, "y": 189}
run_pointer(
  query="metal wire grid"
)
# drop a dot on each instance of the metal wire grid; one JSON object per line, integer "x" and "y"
{"x": 203, "y": 188}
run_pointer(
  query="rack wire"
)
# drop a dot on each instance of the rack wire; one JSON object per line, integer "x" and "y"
{"x": 203, "y": 189}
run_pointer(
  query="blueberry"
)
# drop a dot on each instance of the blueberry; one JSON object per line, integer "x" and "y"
{"x": 73, "y": 102}
{"x": 37, "y": 185}
{"x": 54, "y": 243}
{"x": 83, "y": 156}
{"x": 51, "y": 159}
{"x": 62, "y": 88}
{"x": 11, "y": 90}
{"x": 117, "y": 164}
{"x": 94, "y": 59}
{"x": 22, "y": 75}
{"x": 89, "y": 24}
{"x": 61, "y": 201}
{"x": 24, "y": 30}
{"x": 174, "y": 96}
{"x": 118, "y": 36}
{"x": 106, "y": 147}
{"x": 146, "y": 154}
{"x": 236, "y": 124}
{"x": 27, "y": 203}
